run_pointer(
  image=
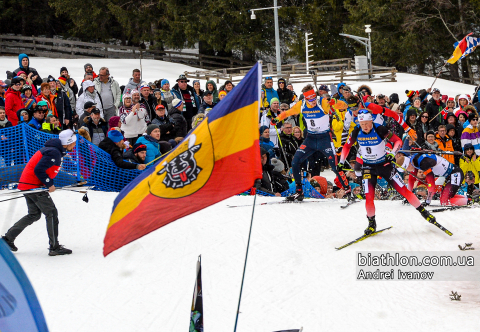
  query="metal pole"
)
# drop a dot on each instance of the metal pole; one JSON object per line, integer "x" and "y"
{"x": 370, "y": 54}
{"x": 306, "y": 51}
{"x": 277, "y": 39}
{"x": 246, "y": 256}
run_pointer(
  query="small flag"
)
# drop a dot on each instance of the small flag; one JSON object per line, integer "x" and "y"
{"x": 218, "y": 159}
{"x": 19, "y": 306}
{"x": 196, "y": 315}
{"x": 463, "y": 48}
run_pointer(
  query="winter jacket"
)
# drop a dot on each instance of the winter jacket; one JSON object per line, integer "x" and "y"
{"x": 70, "y": 94}
{"x": 268, "y": 146}
{"x": 115, "y": 153}
{"x": 168, "y": 97}
{"x": 96, "y": 130}
{"x": 34, "y": 122}
{"x": 130, "y": 157}
{"x": 445, "y": 144}
{"x": 87, "y": 96}
{"x": 62, "y": 104}
{"x": 5, "y": 124}
{"x": 13, "y": 102}
{"x": 167, "y": 127}
{"x": 467, "y": 164}
{"x": 117, "y": 93}
{"x": 284, "y": 95}
{"x": 50, "y": 99}
{"x": 195, "y": 100}
{"x": 205, "y": 106}
{"x": 131, "y": 85}
{"x": 471, "y": 135}
{"x": 179, "y": 122}
{"x": 28, "y": 69}
{"x": 154, "y": 147}
{"x": 215, "y": 90}
{"x": 421, "y": 129}
{"x": 44, "y": 166}
{"x": 290, "y": 146}
{"x": 270, "y": 93}
{"x": 433, "y": 108}
{"x": 149, "y": 105}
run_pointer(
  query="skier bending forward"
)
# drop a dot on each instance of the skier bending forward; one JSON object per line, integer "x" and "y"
{"x": 376, "y": 162}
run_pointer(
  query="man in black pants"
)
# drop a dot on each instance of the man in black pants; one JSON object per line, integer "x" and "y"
{"x": 40, "y": 171}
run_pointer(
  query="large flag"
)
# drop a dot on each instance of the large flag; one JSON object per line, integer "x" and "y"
{"x": 463, "y": 48}
{"x": 19, "y": 306}
{"x": 218, "y": 159}
{"x": 196, "y": 314}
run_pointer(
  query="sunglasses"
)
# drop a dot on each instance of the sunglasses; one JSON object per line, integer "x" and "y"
{"x": 424, "y": 116}
{"x": 268, "y": 78}
{"x": 182, "y": 81}
{"x": 474, "y": 120}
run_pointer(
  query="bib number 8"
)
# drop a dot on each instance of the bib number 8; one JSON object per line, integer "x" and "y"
{"x": 312, "y": 123}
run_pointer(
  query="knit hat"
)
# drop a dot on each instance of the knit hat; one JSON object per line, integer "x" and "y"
{"x": 87, "y": 65}
{"x": 144, "y": 86}
{"x": 16, "y": 80}
{"x": 151, "y": 127}
{"x": 278, "y": 164}
{"x": 196, "y": 81}
{"x": 42, "y": 103}
{"x": 23, "y": 111}
{"x": 21, "y": 72}
{"x": 3, "y": 84}
{"x": 410, "y": 93}
{"x": 139, "y": 147}
{"x": 323, "y": 87}
{"x": 472, "y": 116}
{"x": 164, "y": 81}
{"x": 52, "y": 79}
{"x": 26, "y": 87}
{"x": 113, "y": 121}
{"x": 451, "y": 99}
{"x": 322, "y": 182}
{"x": 134, "y": 91}
{"x": 67, "y": 137}
{"x": 468, "y": 146}
{"x": 449, "y": 127}
{"x": 222, "y": 93}
{"x": 63, "y": 69}
{"x": 262, "y": 129}
{"x": 274, "y": 99}
{"x": 176, "y": 102}
{"x": 115, "y": 136}
{"x": 394, "y": 98}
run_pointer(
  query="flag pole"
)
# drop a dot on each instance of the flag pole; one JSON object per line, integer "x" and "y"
{"x": 245, "y": 264}
{"x": 441, "y": 70}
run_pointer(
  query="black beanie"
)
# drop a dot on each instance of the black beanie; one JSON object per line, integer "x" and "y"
{"x": 62, "y": 69}
{"x": 472, "y": 116}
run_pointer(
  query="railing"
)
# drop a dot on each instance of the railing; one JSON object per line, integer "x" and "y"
{"x": 325, "y": 71}
{"x": 64, "y": 48}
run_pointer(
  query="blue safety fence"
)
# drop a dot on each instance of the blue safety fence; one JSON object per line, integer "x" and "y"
{"x": 86, "y": 162}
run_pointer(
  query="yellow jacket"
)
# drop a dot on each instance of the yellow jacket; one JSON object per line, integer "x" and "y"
{"x": 474, "y": 166}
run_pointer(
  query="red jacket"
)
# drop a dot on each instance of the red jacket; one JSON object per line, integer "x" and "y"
{"x": 43, "y": 167}
{"x": 13, "y": 102}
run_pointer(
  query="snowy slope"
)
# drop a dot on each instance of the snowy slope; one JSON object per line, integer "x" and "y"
{"x": 121, "y": 70}
{"x": 294, "y": 276}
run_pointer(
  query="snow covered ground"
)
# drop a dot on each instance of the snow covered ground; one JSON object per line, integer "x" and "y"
{"x": 294, "y": 275}
{"x": 121, "y": 70}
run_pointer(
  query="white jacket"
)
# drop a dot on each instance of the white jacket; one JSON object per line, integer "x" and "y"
{"x": 84, "y": 97}
{"x": 117, "y": 93}
{"x": 134, "y": 123}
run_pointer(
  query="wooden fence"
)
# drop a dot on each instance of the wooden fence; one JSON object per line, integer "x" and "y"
{"x": 325, "y": 71}
{"x": 64, "y": 48}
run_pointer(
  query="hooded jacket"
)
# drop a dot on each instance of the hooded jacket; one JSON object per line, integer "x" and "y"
{"x": 445, "y": 144}
{"x": 471, "y": 135}
{"x": 284, "y": 95}
{"x": 44, "y": 166}
{"x": 179, "y": 122}
{"x": 13, "y": 102}
{"x": 154, "y": 148}
{"x": 28, "y": 69}
{"x": 131, "y": 85}
{"x": 115, "y": 153}
{"x": 87, "y": 96}
{"x": 167, "y": 127}
{"x": 50, "y": 99}
{"x": 215, "y": 90}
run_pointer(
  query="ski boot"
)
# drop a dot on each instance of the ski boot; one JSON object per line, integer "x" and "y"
{"x": 474, "y": 199}
{"x": 59, "y": 250}
{"x": 425, "y": 214}
{"x": 297, "y": 196}
{"x": 372, "y": 226}
{"x": 10, "y": 244}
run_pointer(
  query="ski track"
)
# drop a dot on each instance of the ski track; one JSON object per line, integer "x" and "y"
{"x": 294, "y": 275}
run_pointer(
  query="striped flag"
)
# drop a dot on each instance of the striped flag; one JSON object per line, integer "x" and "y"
{"x": 463, "y": 48}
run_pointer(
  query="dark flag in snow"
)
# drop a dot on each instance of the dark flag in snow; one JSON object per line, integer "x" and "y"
{"x": 196, "y": 316}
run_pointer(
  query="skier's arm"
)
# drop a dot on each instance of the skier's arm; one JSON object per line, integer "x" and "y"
{"x": 377, "y": 109}
{"x": 384, "y": 133}
{"x": 348, "y": 145}
{"x": 346, "y": 126}
{"x": 296, "y": 109}
{"x": 411, "y": 179}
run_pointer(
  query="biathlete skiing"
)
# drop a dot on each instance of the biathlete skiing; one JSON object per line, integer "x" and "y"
{"x": 377, "y": 162}
{"x": 40, "y": 171}
{"x": 316, "y": 114}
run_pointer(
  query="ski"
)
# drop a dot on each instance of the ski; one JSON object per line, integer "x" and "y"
{"x": 277, "y": 202}
{"x": 349, "y": 203}
{"x": 363, "y": 237}
{"x": 441, "y": 227}
{"x": 449, "y": 208}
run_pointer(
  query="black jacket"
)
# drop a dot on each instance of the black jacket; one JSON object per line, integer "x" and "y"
{"x": 433, "y": 109}
{"x": 290, "y": 146}
{"x": 115, "y": 153}
{"x": 179, "y": 122}
{"x": 284, "y": 95}
{"x": 62, "y": 103}
{"x": 91, "y": 125}
{"x": 166, "y": 126}
{"x": 149, "y": 105}
{"x": 28, "y": 70}
{"x": 205, "y": 106}
{"x": 130, "y": 157}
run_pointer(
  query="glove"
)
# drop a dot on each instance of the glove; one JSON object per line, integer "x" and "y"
{"x": 339, "y": 150}
{"x": 340, "y": 167}
{"x": 390, "y": 157}
{"x": 412, "y": 133}
{"x": 274, "y": 121}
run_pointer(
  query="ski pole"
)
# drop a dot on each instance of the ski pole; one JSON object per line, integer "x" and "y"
{"x": 441, "y": 70}
{"x": 9, "y": 199}
{"x": 281, "y": 146}
{"x": 426, "y": 183}
{"x": 85, "y": 197}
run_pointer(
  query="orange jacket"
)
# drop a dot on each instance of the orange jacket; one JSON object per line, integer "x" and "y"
{"x": 50, "y": 101}
{"x": 445, "y": 144}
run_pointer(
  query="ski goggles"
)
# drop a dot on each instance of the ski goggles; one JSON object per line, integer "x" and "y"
{"x": 364, "y": 115}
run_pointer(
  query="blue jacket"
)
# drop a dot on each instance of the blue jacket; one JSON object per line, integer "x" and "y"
{"x": 268, "y": 146}
{"x": 153, "y": 147}
{"x": 35, "y": 122}
{"x": 271, "y": 93}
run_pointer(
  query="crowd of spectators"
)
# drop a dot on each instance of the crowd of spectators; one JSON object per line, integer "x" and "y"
{"x": 138, "y": 122}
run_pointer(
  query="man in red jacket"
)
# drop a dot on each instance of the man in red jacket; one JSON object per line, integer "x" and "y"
{"x": 40, "y": 171}
{"x": 13, "y": 99}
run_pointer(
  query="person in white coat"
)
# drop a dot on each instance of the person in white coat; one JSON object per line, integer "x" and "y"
{"x": 133, "y": 118}
{"x": 89, "y": 95}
